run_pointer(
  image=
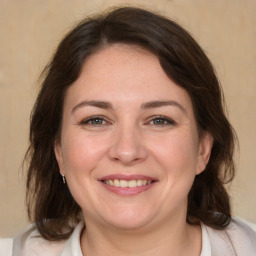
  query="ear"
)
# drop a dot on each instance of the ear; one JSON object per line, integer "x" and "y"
{"x": 204, "y": 151}
{"x": 59, "y": 157}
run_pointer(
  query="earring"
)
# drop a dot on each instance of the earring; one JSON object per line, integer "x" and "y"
{"x": 63, "y": 178}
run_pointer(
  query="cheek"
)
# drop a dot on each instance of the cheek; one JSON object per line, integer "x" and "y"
{"x": 178, "y": 149}
{"x": 82, "y": 153}
{"x": 177, "y": 156}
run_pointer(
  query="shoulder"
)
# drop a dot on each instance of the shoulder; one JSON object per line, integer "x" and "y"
{"x": 30, "y": 242}
{"x": 6, "y": 246}
{"x": 239, "y": 238}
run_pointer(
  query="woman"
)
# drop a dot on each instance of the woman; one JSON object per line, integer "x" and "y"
{"x": 130, "y": 146}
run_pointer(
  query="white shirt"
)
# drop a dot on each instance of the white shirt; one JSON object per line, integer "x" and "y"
{"x": 37, "y": 246}
{"x": 238, "y": 235}
{"x": 206, "y": 244}
{"x": 73, "y": 247}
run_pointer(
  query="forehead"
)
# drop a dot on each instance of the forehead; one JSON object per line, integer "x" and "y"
{"x": 125, "y": 73}
{"x": 121, "y": 58}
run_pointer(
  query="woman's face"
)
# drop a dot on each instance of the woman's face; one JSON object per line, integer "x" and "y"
{"x": 129, "y": 143}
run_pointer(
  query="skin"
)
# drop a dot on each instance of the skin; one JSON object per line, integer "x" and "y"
{"x": 125, "y": 134}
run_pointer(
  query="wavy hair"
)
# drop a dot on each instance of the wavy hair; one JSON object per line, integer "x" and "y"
{"x": 49, "y": 202}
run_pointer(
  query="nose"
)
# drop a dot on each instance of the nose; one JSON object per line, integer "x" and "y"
{"x": 127, "y": 147}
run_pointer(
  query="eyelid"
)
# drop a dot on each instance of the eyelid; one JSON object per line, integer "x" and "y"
{"x": 86, "y": 121}
{"x": 169, "y": 120}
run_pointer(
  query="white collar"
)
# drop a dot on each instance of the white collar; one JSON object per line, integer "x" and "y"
{"x": 73, "y": 246}
{"x": 206, "y": 244}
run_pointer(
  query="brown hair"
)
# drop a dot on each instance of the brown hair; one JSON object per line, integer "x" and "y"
{"x": 50, "y": 204}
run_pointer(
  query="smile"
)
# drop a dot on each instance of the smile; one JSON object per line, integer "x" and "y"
{"x": 127, "y": 183}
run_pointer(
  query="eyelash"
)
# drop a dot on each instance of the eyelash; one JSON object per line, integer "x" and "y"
{"x": 101, "y": 121}
{"x": 164, "y": 121}
{"x": 91, "y": 119}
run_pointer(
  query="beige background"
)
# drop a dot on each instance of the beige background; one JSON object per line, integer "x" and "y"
{"x": 31, "y": 29}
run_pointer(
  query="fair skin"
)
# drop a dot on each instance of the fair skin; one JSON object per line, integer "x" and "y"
{"x": 130, "y": 150}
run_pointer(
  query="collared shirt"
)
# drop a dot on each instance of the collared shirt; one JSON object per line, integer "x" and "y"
{"x": 206, "y": 244}
{"x": 238, "y": 239}
{"x": 72, "y": 247}
{"x": 31, "y": 243}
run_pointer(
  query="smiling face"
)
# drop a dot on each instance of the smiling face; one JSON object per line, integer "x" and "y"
{"x": 129, "y": 144}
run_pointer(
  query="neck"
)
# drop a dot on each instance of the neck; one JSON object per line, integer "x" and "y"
{"x": 176, "y": 238}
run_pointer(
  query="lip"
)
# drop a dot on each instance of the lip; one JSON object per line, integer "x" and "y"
{"x": 126, "y": 177}
{"x": 127, "y": 191}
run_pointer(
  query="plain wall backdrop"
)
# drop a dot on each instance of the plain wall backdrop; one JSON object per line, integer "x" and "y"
{"x": 30, "y": 31}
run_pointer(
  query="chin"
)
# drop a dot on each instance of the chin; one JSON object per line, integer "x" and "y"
{"x": 129, "y": 219}
{"x": 128, "y": 224}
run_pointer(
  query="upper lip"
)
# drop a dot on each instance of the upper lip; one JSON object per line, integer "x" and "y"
{"x": 127, "y": 177}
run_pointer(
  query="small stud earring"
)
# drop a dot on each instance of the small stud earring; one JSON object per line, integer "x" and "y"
{"x": 63, "y": 178}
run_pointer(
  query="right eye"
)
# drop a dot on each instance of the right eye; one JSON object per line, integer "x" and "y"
{"x": 94, "y": 121}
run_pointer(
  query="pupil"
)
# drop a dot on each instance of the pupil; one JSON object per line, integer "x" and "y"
{"x": 97, "y": 121}
{"x": 159, "y": 121}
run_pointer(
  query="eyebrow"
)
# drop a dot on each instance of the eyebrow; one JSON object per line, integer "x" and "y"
{"x": 163, "y": 103}
{"x": 93, "y": 103}
{"x": 146, "y": 105}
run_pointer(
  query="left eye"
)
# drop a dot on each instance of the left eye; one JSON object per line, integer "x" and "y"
{"x": 161, "y": 121}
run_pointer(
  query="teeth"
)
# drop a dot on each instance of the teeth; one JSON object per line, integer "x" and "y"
{"x": 132, "y": 183}
{"x": 139, "y": 183}
{"x": 116, "y": 183}
{"x": 123, "y": 183}
{"x": 127, "y": 183}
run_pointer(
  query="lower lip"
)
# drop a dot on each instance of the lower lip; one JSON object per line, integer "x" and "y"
{"x": 128, "y": 191}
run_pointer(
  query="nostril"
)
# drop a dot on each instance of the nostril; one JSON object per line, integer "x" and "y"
{"x": 127, "y": 151}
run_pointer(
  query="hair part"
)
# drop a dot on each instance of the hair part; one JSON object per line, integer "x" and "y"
{"x": 49, "y": 202}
